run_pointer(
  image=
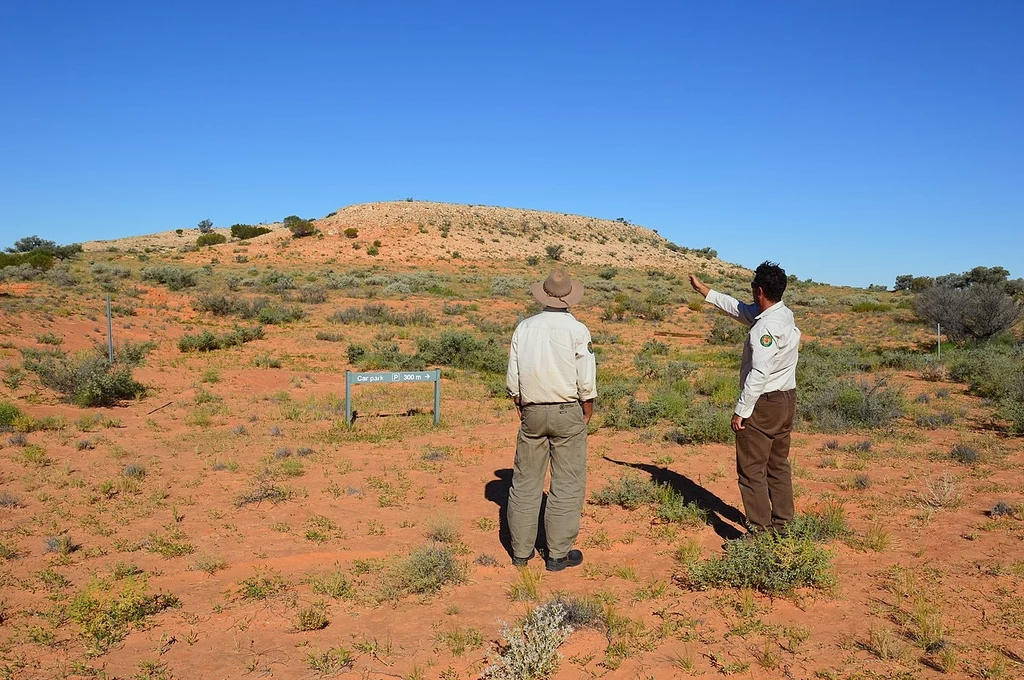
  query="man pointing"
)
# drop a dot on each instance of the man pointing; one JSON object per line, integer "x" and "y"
{"x": 763, "y": 417}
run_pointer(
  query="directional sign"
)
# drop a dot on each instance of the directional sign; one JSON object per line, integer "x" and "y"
{"x": 353, "y": 378}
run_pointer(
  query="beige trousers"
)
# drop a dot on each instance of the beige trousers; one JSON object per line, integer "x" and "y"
{"x": 549, "y": 435}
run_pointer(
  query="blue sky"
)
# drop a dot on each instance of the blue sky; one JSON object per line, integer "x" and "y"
{"x": 849, "y": 140}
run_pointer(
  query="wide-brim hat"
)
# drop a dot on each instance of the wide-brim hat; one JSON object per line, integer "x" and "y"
{"x": 558, "y": 290}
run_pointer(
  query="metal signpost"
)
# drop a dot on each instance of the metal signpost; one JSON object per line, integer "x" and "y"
{"x": 353, "y": 378}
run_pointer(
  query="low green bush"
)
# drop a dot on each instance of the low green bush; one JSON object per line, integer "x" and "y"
{"x": 632, "y": 492}
{"x": 776, "y": 564}
{"x": 211, "y": 239}
{"x": 247, "y": 231}
{"x": 460, "y": 349}
{"x": 424, "y": 572}
{"x": 376, "y": 313}
{"x": 175, "y": 278}
{"x": 8, "y": 413}
{"x": 208, "y": 341}
{"x": 88, "y": 378}
{"x": 107, "y": 609}
{"x": 847, "y": 404}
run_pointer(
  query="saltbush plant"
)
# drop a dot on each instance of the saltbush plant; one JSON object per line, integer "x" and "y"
{"x": 88, "y": 378}
{"x": 530, "y": 650}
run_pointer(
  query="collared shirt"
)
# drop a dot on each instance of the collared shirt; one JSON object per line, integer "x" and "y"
{"x": 770, "y": 353}
{"x": 551, "y": 360}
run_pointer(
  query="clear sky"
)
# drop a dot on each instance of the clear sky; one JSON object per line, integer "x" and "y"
{"x": 851, "y": 140}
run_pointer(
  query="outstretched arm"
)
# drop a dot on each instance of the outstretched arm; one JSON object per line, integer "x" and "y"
{"x": 728, "y": 304}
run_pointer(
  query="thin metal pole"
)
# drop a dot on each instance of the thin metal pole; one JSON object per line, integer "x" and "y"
{"x": 437, "y": 396}
{"x": 938, "y": 337}
{"x": 110, "y": 334}
{"x": 348, "y": 397}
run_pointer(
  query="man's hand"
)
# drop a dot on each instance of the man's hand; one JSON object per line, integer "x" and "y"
{"x": 737, "y": 423}
{"x": 519, "y": 406}
{"x": 699, "y": 286}
{"x": 588, "y": 411}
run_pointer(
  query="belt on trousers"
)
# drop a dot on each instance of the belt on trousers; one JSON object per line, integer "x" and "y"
{"x": 551, "y": 403}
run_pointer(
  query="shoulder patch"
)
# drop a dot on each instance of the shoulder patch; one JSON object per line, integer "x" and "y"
{"x": 590, "y": 347}
{"x": 766, "y": 340}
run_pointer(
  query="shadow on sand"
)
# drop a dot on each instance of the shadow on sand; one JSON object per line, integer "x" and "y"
{"x": 718, "y": 511}
{"x": 496, "y": 491}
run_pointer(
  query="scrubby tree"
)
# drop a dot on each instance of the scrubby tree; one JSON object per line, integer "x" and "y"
{"x": 978, "y": 312}
{"x": 205, "y": 227}
{"x": 299, "y": 227}
{"x": 30, "y": 243}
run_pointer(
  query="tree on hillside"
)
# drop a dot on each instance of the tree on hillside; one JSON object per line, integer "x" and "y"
{"x": 205, "y": 227}
{"x": 299, "y": 227}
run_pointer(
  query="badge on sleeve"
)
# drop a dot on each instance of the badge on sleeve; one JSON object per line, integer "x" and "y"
{"x": 766, "y": 340}
{"x": 590, "y": 347}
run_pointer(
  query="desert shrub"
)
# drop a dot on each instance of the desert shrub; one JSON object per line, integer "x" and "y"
{"x": 461, "y": 349}
{"x": 424, "y": 572}
{"x": 978, "y": 312}
{"x": 312, "y": 295}
{"x": 725, "y": 331}
{"x": 379, "y": 314}
{"x": 772, "y": 563}
{"x": 215, "y": 303}
{"x": 332, "y": 583}
{"x": 351, "y": 232}
{"x": 212, "y": 239}
{"x": 247, "y": 231}
{"x": 847, "y": 404}
{"x": 632, "y": 492}
{"x": 313, "y": 617}
{"x": 825, "y": 522}
{"x": 299, "y": 227}
{"x": 88, "y": 378}
{"x": 106, "y": 609}
{"x": 108, "y": 273}
{"x": 530, "y": 650}
{"x": 628, "y": 491}
{"x": 262, "y": 585}
{"x": 20, "y": 272}
{"x": 934, "y": 421}
{"x": 207, "y": 341}
{"x": 554, "y": 251}
{"x": 329, "y": 336}
{"x": 8, "y": 414}
{"x": 175, "y": 278}
{"x": 507, "y": 286}
{"x": 703, "y": 423}
{"x": 263, "y": 491}
{"x": 996, "y": 372}
{"x": 962, "y": 453}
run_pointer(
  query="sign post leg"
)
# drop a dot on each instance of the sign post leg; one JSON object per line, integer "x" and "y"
{"x": 348, "y": 398}
{"x": 437, "y": 396}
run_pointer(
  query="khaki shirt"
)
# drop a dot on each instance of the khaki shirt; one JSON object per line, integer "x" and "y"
{"x": 770, "y": 353}
{"x": 551, "y": 360}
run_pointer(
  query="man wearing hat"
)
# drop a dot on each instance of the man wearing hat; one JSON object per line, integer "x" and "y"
{"x": 552, "y": 378}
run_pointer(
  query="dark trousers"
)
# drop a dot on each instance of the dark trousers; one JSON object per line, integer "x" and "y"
{"x": 762, "y": 461}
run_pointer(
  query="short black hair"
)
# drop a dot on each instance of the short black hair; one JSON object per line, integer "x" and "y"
{"x": 771, "y": 278}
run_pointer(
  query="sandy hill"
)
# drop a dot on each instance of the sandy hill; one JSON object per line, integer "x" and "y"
{"x": 420, "y": 231}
